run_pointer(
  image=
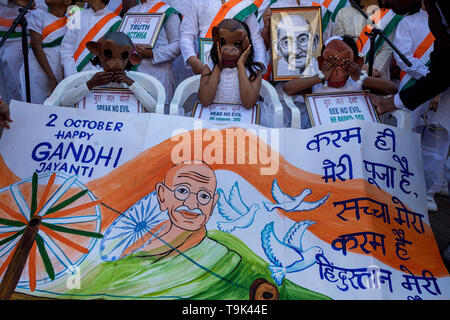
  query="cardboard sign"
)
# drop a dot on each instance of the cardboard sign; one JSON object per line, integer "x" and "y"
{"x": 142, "y": 28}
{"x": 205, "y": 45}
{"x": 220, "y": 113}
{"x": 111, "y": 99}
{"x": 337, "y": 107}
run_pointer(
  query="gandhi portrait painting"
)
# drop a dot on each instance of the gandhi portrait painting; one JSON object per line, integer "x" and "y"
{"x": 296, "y": 42}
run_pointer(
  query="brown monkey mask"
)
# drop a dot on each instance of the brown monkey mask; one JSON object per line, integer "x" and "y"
{"x": 114, "y": 51}
{"x": 339, "y": 48}
{"x": 232, "y": 40}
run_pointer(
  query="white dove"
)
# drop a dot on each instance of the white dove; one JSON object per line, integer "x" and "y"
{"x": 234, "y": 210}
{"x": 288, "y": 256}
{"x": 288, "y": 203}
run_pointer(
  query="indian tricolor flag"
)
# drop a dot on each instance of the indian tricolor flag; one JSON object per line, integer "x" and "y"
{"x": 237, "y": 9}
{"x": 160, "y": 7}
{"x": 330, "y": 8}
{"x": 384, "y": 19}
{"x": 422, "y": 52}
{"x": 53, "y": 34}
{"x": 109, "y": 23}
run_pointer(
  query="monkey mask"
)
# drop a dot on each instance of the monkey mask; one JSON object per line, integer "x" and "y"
{"x": 115, "y": 52}
{"x": 339, "y": 75}
{"x": 231, "y": 39}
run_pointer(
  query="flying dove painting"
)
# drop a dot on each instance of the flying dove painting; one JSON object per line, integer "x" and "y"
{"x": 288, "y": 255}
{"x": 288, "y": 203}
{"x": 234, "y": 210}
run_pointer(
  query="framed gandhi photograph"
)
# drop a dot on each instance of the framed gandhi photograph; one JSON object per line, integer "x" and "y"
{"x": 334, "y": 107}
{"x": 223, "y": 113}
{"x": 205, "y": 45}
{"x": 296, "y": 36}
{"x": 111, "y": 99}
{"x": 142, "y": 28}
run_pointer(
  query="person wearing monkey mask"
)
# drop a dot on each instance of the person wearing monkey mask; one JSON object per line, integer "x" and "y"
{"x": 231, "y": 75}
{"x": 115, "y": 53}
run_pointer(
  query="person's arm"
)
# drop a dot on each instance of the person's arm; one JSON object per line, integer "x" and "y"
{"x": 265, "y": 33}
{"x": 248, "y": 90}
{"x": 188, "y": 35}
{"x": 67, "y": 49}
{"x": 36, "y": 46}
{"x": 5, "y": 118}
{"x": 209, "y": 82}
{"x": 81, "y": 86}
{"x": 259, "y": 48}
{"x": 167, "y": 53}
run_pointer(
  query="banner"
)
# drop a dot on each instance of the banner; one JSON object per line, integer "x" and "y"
{"x": 151, "y": 206}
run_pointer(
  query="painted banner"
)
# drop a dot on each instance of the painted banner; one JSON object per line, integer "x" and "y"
{"x": 151, "y": 206}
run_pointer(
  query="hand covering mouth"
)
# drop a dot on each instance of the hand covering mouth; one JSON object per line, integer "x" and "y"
{"x": 189, "y": 213}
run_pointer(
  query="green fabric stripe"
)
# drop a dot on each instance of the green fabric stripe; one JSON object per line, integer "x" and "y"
{"x": 12, "y": 35}
{"x": 244, "y": 13}
{"x": 326, "y": 20}
{"x": 387, "y": 31}
{"x": 340, "y": 5}
{"x": 412, "y": 81}
{"x": 73, "y": 231}
{"x": 45, "y": 258}
{"x": 53, "y": 43}
{"x": 10, "y": 238}
{"x": 86, "y": 59}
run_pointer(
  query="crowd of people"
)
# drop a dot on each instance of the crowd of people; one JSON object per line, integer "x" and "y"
{"x": 67, "y": 37}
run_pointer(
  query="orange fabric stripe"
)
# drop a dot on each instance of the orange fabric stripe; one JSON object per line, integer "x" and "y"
{"x": 327, "y": 3}
{"x": 46, "y": 192}
{"x": 13, "y": 214}
{"x": 421, "y": 49}
{"x": 268, "y": 73}
{"x": 64, "y": 240}
{"x": 7, "y": 261}
{"x": 221, "y": 15}
{"x": 118, "y": 10}
{"x": 92, "y": 33}
{"x": 257, "y": 3}
{"x": 32, "y": 267}
{"x": 6, "y": 23}
{"x": 58, "y": 24}
{"x": 315, "y": 4}
{"x": 363, "y": 36}
{"x": 7, "y": 234}
{"x": 156, "y": 7}
{"x": 63, "y": 213}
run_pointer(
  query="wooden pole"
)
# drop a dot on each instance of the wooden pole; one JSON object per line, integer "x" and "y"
{"x": 17, "y": 264}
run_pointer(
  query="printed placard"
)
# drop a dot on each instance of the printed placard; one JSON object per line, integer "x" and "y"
{"x": 142, "y": 28}
{"x": 111, "y": 99}
{"x": 221, "y": 113}
{"x": 205, "y": 45}
{"x": 324, "y": 108}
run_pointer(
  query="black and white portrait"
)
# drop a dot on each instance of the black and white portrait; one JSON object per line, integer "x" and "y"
{"x": 296, "y": 42}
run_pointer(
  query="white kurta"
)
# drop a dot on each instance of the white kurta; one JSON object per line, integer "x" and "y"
{"x": 74, "y": 36}
{"x": 435, "y": 131}
{"x": 79, "y": 90}
{"x": 167, "y": 48}
{"x": 350, "y": 21}
{"x": 40, "y": 89}
{"x": 11, "y": 56}
{"x": 197, "y": 20}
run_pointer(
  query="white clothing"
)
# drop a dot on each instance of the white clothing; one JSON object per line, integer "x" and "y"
{"x": 167, "y": 48}
{"x": 79, "y": 90}
{"x": 228, "y": 91}
{"x": 40, "y": 88}
{"x": 350, "y": 21}
{"x": 197, "y": 20}
{"x": 179, "y": 5}
{"x": 74, "y": 36}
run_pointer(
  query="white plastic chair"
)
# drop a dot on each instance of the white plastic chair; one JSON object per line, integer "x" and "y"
{"x": 150, "y": 83}
{"x": 191, "y": 85}
{"x": 403, "y": 117}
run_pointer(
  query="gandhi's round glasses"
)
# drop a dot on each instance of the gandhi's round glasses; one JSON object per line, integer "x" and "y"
{"x": 183, "y": 192}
